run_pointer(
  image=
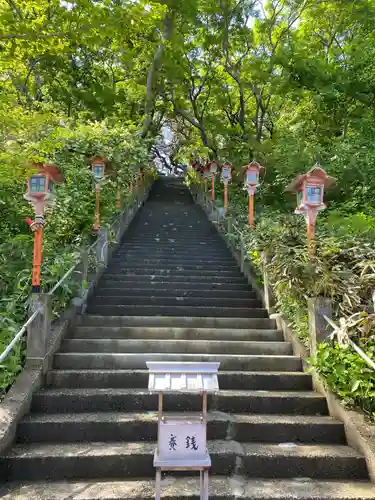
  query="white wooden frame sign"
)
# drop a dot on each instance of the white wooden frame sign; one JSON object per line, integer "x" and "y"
{"x": 182, "y": 437}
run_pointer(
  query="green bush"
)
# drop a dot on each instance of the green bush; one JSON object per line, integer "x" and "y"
{"x": 68, "y": 224}
{"x": 348, "y": 375}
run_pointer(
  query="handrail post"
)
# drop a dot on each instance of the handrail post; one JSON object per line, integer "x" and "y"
{"x": 229, "y": 225}
{"x": 266, "y": 284}
{"x": 84, "y": 272}
{"x": 319, "y": 329}
{"x": 38, "y": 332}
{"x": 102, "y": 248}
{"x": 242, "y": 254}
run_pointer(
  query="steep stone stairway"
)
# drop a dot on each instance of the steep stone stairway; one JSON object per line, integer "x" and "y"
{"x": 173, "y": 292}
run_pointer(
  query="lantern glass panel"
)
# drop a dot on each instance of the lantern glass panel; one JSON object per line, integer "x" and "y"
{"x": 314, "y": 195}
{"x": 252, "y": 177}
{"x": 37, "y": 184}
{"x": 98, "y": 171}
{"x": 299, "y": 198}
{"x": 213, "y": 169}
{"x": 226, "y": 173}
{"x": 50, "y": 186}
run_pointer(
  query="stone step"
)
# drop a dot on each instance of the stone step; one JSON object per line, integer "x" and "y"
{"x": 172, "y": 259}
{"x": 178, "y": 271}
{"x": 178, "y": 240}
{"x": 151, "y": 291}
{"x": 123, "y": 332}
{"x": 187, "y": 488}
{"x": 174, "y": 278}
{"x": 189, "y": 235}
{"x": 229, "y": 362}
{"x": 180, "y": 322}
{"x": 104, "y": 427}
{"x": 128, "y": 299}
{"x": 200, "y": 247}
{"x": 181, "y": 265}
{"x": 198, "y": 252}
{"x": 135, "y": 459}
{"x": 108, "y": 345}
{"x": 178, "y": 310}
{"x": 168, "y": 283}
{"x": 230, "y": 401}
{"x": 132, "y": 379}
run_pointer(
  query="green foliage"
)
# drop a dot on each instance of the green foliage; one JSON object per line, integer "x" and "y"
{"x": 348, "y": 375}
{"x": 68, "y": 223}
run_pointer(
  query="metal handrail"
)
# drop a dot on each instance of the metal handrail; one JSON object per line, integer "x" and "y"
{"x": 18, "y": 336}
{"x": 21, "y": 332}
{"x": 61, "y": 280}
{"x": 343, "y": 334}
{"x": 345, "y": 339}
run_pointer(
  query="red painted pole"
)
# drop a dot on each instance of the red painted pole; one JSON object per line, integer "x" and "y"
{"x": 37, "y": 262}
{"x": 251, "y": 207}
{"x": 225, "y": 197}
{"x": 97, "y": 208}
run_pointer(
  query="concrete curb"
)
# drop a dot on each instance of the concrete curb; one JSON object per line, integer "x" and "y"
{"x": 359, "y": 433}
{"x": 17, "y": 402}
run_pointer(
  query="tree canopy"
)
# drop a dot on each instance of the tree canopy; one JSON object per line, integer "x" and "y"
{"x": 285, "y": 82}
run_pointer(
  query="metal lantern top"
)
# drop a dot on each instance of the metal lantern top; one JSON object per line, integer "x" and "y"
{"x": 226, "y": 172}
{"x": 187, "y": 377}
{"x": 252, "y": 172}
{"x": 310, "y": 188}
{"x": 213, "y": 166}
{"x": 40, "y": 184}
{"x": 98, "y": 165}
{"x": 196, "y": 166}
{"x": 206, "y": 172}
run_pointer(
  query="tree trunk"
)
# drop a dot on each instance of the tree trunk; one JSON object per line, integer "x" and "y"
{"x": 152, "y": 72}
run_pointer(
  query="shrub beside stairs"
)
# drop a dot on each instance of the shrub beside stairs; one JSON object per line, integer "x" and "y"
{"x": 173, "y": 292}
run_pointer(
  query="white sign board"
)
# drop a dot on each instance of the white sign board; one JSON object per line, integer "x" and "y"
{"x": 182, "y": 441}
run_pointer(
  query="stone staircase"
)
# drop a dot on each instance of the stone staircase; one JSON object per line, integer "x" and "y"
{"x": 173, "y": 292}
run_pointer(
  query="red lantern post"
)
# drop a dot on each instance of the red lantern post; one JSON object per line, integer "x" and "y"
{"x": 98, "y": 164}
{"x": 226, "y": 176}
{"x": 206, "y": 176}
{"x": 213, "y": 171}
{"x": 309, "y": 188}
{"x": 39, "y": 193}
{"x": 252, "y": 173}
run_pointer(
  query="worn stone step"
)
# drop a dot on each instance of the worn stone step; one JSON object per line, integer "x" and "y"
{"x": 131, "y": 379}
{"x": 179, "y": 234}
{"x": 167, "y": 252}
{"x": 108, "y": 345}
{"x": 174, "y": 488}
{"x": 230, "y": 362}
{"x": 149, "y": 310}
{"x": 134, "y": 459}
{"x": 179, "y": 241}
{"x": 179, "y": 300}
{"x": 179, "y": 266}
{"x": 201, "y": 246}
{"x": 174, "y": 284}
{"x": 123, "y": 332}
{"x": 81, "y": 427}
{"x": 180, "y": 321}
{"x": 178, "y": 271}
{"x": 173, "y": 278}
{"x": 229, "y": 401}
{"x": 151, "y": 291}
{"x": 172, "y": 259}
